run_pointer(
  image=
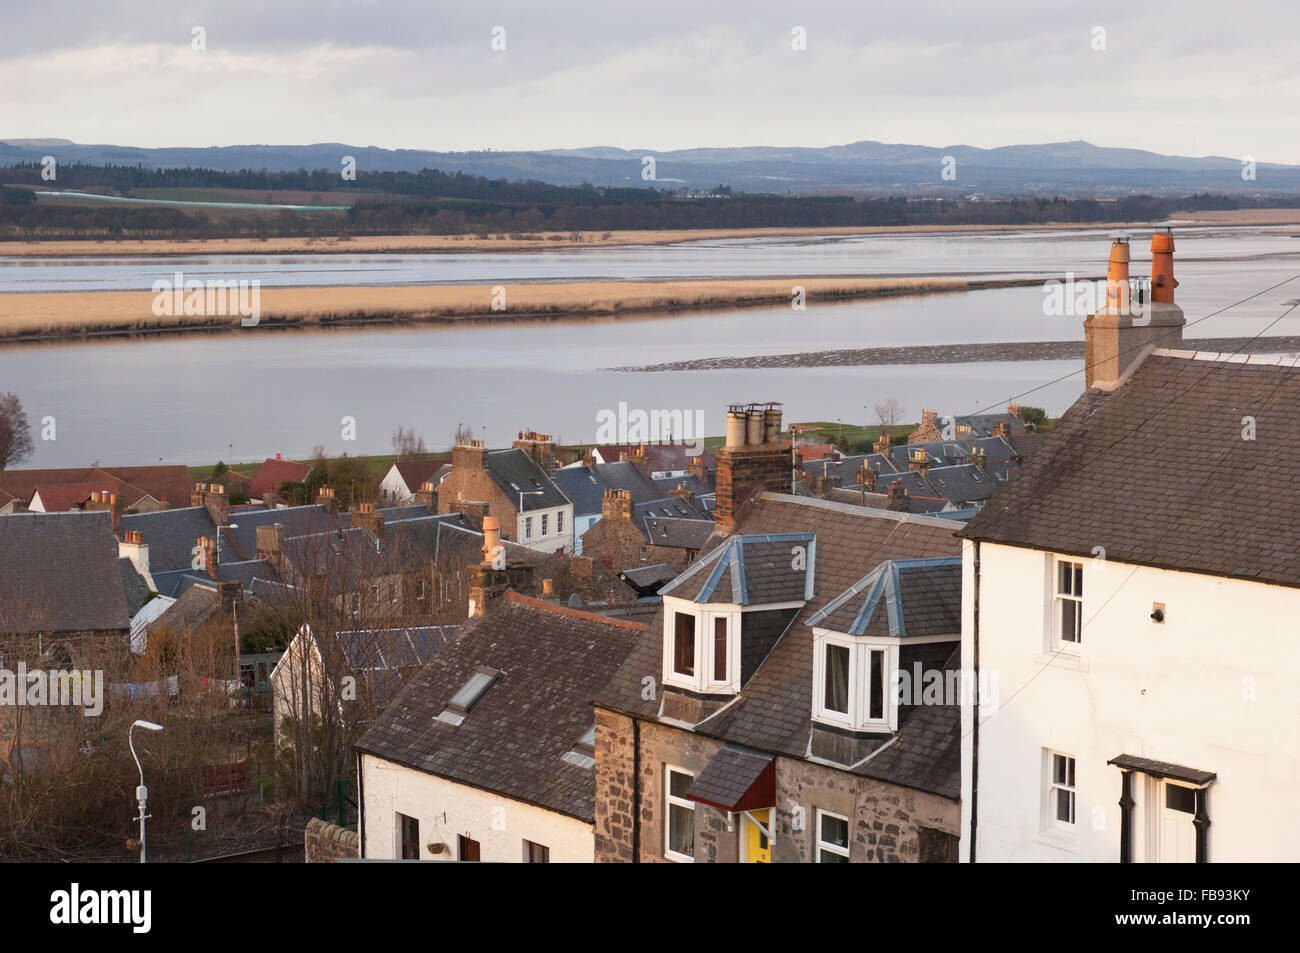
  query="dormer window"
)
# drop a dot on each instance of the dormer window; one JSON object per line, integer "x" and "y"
{"x": 851, "y": 677}
{"x": 684, "y": 644}
{"x": 702, "y": 646}
{"x": 858, "y": 636}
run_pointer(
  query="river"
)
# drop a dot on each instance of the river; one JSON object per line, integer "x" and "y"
{"x": 194, "y": 399}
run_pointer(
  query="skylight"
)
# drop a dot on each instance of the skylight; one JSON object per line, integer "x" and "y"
{"x": 474, "y": 689}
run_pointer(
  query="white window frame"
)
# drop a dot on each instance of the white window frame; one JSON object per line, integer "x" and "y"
{"x": 528, "y": 527}
{"x": 545, "y": 523}
{"x": 819, "y": 845}
{"x": 559, "y": 521}
{"x": 705, "y": 616}
{"x": 1050, "y": 787}
{"x": 860, "y": 650}
{"x": 1058, "y": 642}
{"x": 672, "y": 800}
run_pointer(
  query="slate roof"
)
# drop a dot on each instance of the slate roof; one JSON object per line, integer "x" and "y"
{"x": 692, "y": 482}
{"x": 1026, "y": 444}
{"x": 682, "y": 533}
{"x": 751, "y": 570}
{"x": 903, "y": 598}
{"x": 982, "y": 425}
{"x": 581, "y": 485}
{"x": 59, "y": 573}
{"x": 644, "y": 577}
{"x": 940, "y": 453}
{"x": 670, "y": 506}
{"x": 728, "y": 776}
{"x": 962, "y": 484}
{"x": 660, "y": 456}
{"x": 996, "y": 450}
{"x": 1121, "y": 470}
{"x": 855, "y": 497}
{"x": 512, "y": 741}
{"x": 625, "y": 476}
{"x": 171, "y": 535}
{"x": 772, "y": 713}
{"x": 514, "y": 470}
{"x": 134, "y": 589}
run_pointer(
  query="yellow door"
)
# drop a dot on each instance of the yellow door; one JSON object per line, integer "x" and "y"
{"x": 758, "y": 848}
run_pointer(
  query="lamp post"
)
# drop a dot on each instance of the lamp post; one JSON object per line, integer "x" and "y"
{"x": 142, "y": 792}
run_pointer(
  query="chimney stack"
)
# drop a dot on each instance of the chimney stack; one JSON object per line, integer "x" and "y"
{"x": 882, "y": 445}
{"x": 325, "y": 497}
{"x": 270, "y": 541}
{"x": 1118, "y": 337}
{"x": 491, "y": 537}
{"x": 470, "y": 455}
{"x": 364, "y": 515}
{"x": 616, "y": 505}
{"x": 134, "y": 548}
{"x": 208, "y": 546}
{"x": 427, "y": 496}
{"x": 867, "y": 477}
{"x": 539, "y": 446}
{"x": 898, "y": 498}
{"x": 752, "y": 459}
{"x": 919, "y": 462}
{"x": 682, "y": 492}
{"x": 216, "y": 502}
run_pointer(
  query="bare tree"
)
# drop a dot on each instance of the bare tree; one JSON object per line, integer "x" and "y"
{"x": 889, "y": 413}
{"x": 407, "y": 444}
{"x": 15, "y": 433}
{"x": 464, "y": 434}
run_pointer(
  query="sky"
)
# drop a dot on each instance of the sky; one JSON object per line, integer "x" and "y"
{"x": 1183, "y": 78}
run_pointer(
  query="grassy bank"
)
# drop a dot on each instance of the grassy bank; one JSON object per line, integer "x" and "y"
{"x": 71, "y": 315}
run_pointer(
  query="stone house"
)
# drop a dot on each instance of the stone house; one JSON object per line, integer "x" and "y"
{"x": 629, "y": 534}
{"x": 515, "y": 485}
{"x": 754, "y": 722}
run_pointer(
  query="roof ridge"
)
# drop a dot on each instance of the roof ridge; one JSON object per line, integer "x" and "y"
{"x": 574, "y": 613}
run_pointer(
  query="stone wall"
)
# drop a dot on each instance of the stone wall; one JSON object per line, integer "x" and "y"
{"x": 887, "y": 822}
{"x": 324, "y": 842}
{"x": 617, "y": 544}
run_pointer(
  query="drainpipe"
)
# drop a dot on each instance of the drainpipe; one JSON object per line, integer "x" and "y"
{"x": 361, "y": 810}
{"x": 975, "y": 710}
{"x": 636, "y": 790}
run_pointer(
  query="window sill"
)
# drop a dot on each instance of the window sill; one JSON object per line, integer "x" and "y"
{"x": 1058, "y": 840}
{"x": 1063, "y": 660}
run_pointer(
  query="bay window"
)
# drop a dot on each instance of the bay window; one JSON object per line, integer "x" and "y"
{"x": 851, "y": 682}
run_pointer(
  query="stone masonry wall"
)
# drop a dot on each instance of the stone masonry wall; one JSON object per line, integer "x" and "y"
{"x": 885, "y": 819}
{"x": 324, "y": 842}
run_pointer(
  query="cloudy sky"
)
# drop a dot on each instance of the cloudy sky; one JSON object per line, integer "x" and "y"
{"x": 1186, "y": 78}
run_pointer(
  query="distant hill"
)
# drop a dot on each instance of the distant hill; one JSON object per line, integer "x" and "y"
{"x": 1060, "y": 168}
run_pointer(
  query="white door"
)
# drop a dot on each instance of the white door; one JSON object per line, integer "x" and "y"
{"x": 1177, "y": 832}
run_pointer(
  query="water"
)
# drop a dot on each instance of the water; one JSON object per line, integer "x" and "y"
{"x": 968, "y": 254}
{"x": 247, "y": 395}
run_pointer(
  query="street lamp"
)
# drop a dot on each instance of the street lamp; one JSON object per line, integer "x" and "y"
{"x": 142, "y": 792}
